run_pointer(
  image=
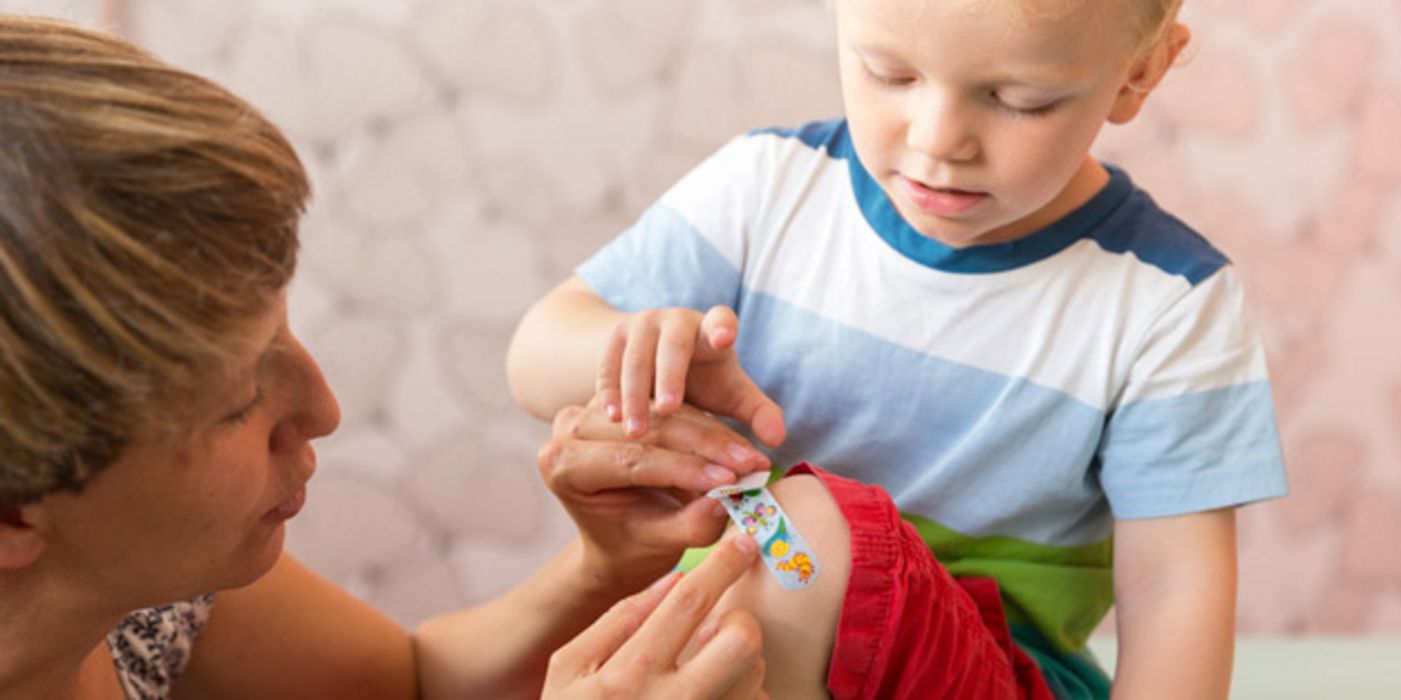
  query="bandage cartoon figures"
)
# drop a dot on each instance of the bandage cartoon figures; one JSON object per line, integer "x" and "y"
{"x": 752, "y": 507}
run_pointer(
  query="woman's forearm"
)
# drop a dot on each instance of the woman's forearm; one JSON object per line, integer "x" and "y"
{"x": 500, "y": 649}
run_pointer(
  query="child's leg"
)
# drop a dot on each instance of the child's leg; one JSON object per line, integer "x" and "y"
{"x": 799, "y": 626}
{"x": 899, "y": 625}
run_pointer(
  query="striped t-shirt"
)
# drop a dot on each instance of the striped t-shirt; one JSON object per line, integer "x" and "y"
{"x": 1013, "y": 398}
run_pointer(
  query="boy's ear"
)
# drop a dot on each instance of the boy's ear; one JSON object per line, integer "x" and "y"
{"x": 21, "y": 535}
{"x": 1147, "y": 72}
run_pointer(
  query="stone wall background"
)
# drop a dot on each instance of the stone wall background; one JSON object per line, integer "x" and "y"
{"x": 467, "y": 153}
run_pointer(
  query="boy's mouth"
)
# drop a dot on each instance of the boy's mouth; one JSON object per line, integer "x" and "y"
{"x": 940, "y": 201}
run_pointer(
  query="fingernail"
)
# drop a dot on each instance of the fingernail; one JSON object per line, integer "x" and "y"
{"x": 668, "y": 398}
{"x": 611, "y": 410}
{"x": 663, "y": 582}
{"x": 635, "y": 426}
{"x": 707, "y": 631}
{"x": 746, "y": 544}
{"x": 718, "y": 475}
{"x": 740, "y": 454}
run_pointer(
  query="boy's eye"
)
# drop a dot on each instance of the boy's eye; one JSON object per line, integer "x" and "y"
{"x": 886, "y": 79}
{"x": 1022, "y": 108}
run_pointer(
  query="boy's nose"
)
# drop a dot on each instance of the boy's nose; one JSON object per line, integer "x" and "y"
{"x": 940, "y": 131}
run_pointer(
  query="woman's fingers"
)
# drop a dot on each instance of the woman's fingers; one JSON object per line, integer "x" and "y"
{"x": 632, "y": 650}
{"x": 687, "y": 431}
{"x": 588, "y": 467}
{"x": 610, "y": 631}
{"x": 731, "y": 658}
{"x": 667, "y": 630}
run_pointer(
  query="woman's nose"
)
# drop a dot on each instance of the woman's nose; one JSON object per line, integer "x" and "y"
{"x": 312, "y": 409}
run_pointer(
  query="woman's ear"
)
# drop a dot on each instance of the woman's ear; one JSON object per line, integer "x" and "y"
{"x": 21, "y": 535}
{"x": 1147, "y": 72}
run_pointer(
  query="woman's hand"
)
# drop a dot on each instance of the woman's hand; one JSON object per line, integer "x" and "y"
{"x": 637, "y": 502}
{"x": 632, "y": 650}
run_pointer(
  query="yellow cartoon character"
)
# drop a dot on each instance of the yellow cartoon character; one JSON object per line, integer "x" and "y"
{"x": 801, "y": 563}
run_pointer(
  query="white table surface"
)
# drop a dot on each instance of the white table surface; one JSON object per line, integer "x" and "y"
{"x": 1305, "y": 668}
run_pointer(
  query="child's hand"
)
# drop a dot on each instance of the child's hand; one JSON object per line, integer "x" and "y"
{"x": 681, "y": 355}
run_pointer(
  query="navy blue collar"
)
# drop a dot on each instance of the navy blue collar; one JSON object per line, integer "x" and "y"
{"x": 992, "y": 257}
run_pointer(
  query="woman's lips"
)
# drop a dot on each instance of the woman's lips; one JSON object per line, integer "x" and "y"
{"x": 947, "y": 202}
{"x": 290, "y": 507}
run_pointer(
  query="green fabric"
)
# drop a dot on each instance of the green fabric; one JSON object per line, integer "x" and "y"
{"x": 1063, "y": 592}
{"x": 693, "y": 557}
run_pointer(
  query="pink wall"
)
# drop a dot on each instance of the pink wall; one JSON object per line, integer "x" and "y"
{"x": 1281, "y": 139}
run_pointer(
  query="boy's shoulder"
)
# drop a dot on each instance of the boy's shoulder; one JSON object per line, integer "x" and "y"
{"x": 815, "y": 141}
{"x": 1156, "y": 237}
{"x": 829, "y": 135}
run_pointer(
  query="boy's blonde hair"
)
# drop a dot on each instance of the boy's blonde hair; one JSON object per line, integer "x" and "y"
{"x": 1155, "y": 16}
{"x": 147, "y": 217}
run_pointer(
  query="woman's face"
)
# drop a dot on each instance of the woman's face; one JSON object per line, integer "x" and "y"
{"x": 174, "y": 518}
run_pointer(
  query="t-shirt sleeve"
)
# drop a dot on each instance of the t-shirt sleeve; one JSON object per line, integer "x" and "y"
{"x": 688, "y": 249}
{"x": 1194, "y": 426}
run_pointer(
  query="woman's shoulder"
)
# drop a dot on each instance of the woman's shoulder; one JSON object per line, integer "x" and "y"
{"x": 151, "y": 647}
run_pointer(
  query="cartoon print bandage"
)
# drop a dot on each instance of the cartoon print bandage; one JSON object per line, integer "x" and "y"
{"x": 755, "y": 511}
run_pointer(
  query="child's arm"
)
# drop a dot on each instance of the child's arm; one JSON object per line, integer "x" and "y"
{"x": 1175, "y": 584}
{"x": 572, "y": 344}
{"x": 555, "y": 351}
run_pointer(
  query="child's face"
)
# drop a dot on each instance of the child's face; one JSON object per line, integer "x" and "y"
{"x": 977, "y": 123}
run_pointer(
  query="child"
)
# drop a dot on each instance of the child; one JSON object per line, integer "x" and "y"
{"x": 948, "y": 297}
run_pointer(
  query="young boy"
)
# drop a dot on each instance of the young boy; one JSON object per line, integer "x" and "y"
{"x": 948, "y": 297}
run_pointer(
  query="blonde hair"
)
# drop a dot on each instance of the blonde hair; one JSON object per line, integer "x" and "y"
{"x": 1155, "y": 16}
{"x": 147, "y": 216}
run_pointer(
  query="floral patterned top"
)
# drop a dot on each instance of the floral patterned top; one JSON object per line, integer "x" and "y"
{"x": 151, "y": 647}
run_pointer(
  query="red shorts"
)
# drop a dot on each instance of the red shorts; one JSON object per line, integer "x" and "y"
{"x": 908, "y": 629}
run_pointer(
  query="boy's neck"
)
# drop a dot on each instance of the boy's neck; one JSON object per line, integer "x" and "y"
{"x": 1087, "y": 182}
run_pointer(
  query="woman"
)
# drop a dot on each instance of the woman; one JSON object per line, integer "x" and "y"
{"x": 156, "y": 428}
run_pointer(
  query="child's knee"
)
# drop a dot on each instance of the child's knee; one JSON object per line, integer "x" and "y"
{"x": 816, "y": 515}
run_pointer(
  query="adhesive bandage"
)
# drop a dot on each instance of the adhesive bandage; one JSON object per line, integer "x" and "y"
{"x": 752, "y": 507}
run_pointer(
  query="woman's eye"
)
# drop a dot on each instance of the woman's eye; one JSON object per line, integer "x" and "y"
{"x": 242, "y": 414}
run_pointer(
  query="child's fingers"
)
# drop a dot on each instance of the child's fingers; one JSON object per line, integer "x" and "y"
{"x": 638, "y": 367}
{"x": 719, "y": 328}
{"x": 762, "y": 414}
{"x": 675, "y": 348}
{"x": 609, "y": 376}
{"x": 767, "y": 424}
